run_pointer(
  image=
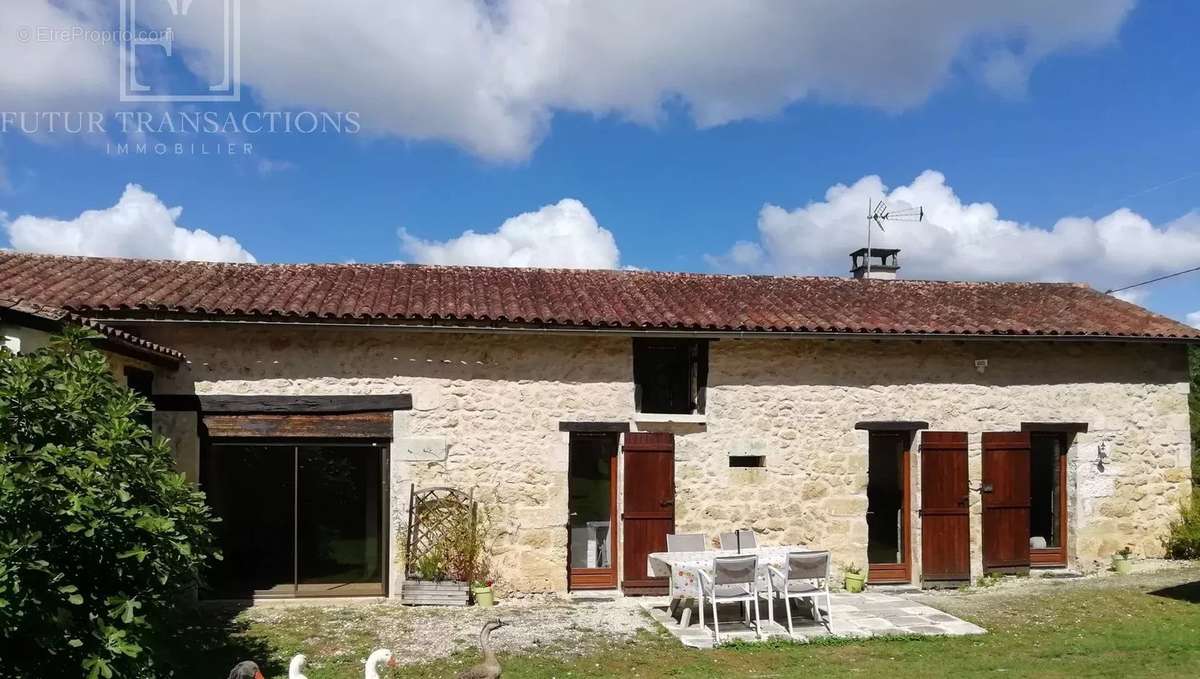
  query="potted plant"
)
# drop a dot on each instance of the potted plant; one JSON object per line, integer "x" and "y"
{"x": 1122, "y": 561}
{"x": 855, "y": 580}
{"x": 482, "y": 591}
{"x": 453, "y": 552}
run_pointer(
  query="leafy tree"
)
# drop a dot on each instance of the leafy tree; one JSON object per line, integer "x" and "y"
{"x": 99, "y": 536}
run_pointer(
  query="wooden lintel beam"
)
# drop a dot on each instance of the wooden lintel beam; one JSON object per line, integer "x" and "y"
{"x": 376, "y": 425}
{"x": 210, "y": 403}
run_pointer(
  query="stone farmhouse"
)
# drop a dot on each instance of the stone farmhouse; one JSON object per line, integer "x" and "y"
{"x": 933, "y": 431}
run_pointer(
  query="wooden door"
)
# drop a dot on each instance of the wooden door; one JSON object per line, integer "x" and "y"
{"x": 649, "y": 513}
{"x": 1006, "y": 500}
{"x": 945, "y": 522}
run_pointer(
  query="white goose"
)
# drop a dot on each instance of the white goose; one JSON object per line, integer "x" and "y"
{"x": 296, "y": 666}
{"x": 382, "y": 655}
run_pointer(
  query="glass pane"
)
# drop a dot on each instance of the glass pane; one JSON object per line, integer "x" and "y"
{"x": 1044, "y": 489}
{"x": 251, "y": 489}
{"x": 589, "y": 487}
{"x": 885, "y": 500}
{"x": 340, "y": 520}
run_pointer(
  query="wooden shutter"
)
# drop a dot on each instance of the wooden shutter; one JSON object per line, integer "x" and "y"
{"x": 1006, "y": 501}
{"x": 945, "y": 522}
{"x": 649, "y": 511}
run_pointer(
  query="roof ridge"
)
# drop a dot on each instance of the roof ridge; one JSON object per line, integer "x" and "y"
{"x": 526, "y": 269}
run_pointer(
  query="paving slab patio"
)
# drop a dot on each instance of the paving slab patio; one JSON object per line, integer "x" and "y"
{"x": 864, "y": 615}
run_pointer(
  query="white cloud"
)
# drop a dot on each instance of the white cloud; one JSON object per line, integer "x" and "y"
{"x": 961, "y": 240}
{"x": 489, "y": 75}
{"x": 561, "y": 235}
{"x": 1133, "y": 296}
{"x": 43, "y": 72}
{"x": 1193, "y": 319}
{"x": 139, "y": 225}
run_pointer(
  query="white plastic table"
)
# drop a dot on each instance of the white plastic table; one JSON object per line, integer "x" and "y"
{"x": 684, "y": 565}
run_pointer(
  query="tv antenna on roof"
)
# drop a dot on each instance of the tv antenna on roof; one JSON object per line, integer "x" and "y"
{"x": 878, "y": 213}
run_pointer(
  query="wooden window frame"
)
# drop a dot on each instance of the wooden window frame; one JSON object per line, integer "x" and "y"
{"x": 897, "y": 573}
{"x": 1055, "y": 557}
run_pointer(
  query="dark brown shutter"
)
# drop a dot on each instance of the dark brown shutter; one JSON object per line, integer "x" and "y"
{"x": 649, "y": 511}
{"x": 945, "y": 522}
{"x": 1006, "y": 500}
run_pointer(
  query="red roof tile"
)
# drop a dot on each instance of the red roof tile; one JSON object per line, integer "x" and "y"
{"x": 116, "y": 339}
{"x": 558, "y": 297}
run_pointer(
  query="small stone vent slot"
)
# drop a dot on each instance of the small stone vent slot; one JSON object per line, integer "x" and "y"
{"x": 747, "y": 460}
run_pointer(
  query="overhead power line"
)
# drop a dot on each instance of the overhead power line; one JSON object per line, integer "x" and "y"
{"x": 1152, "y": 280}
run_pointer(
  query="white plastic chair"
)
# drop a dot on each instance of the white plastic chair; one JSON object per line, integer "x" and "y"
{"x": 806, "y": 577}
{"x": 734, "y": 580}
{"x": 730, "y": 540}
{"x": 685, "y": 542}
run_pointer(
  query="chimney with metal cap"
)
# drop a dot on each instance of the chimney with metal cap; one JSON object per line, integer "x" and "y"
{"x": 876, "y": 263}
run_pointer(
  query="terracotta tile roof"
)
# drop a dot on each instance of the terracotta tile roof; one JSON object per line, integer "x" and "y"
{"x": 123, "y": 342}
{"x": 557, "y": 297}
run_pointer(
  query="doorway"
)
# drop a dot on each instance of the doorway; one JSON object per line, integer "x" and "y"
{"x": 592, "y": 511}
{"x": 1048, "y": 498}
{"x": 297, "y": 520}
{"x": 888, "y": 502}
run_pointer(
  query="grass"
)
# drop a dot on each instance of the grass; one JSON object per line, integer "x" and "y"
{"x": 1143, "y": 625}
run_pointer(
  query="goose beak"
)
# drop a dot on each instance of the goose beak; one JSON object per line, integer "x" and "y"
{"x": 392, "y": 662}
{"x": 258, "y": 674}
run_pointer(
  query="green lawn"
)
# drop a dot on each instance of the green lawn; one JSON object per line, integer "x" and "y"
{"x": 1141, "y": 625}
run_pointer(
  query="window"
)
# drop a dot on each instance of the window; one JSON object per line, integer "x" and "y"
{"x": 747, "y": 461}
{"x": 670, "y": 376}
{"x": 141, "y": 382}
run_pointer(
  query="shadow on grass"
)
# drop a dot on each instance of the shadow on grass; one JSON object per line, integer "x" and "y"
{"x": 208, "y": 639}
{"x": 1188, "y": 591}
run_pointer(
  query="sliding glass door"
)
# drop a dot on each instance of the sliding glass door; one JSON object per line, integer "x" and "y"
{"x": 298, "y": 520}
{"x": 339, "y": 521}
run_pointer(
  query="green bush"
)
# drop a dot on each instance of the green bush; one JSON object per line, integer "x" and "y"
{"x": 99, "y": 537}
{"x": 1184, "y": 539}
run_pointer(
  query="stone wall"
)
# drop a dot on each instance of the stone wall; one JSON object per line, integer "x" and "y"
{"x": 497, "y": 400}
{"x": 798, "y": 402}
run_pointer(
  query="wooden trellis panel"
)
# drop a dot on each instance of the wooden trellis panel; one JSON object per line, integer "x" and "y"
{"x": 432, "y": 512}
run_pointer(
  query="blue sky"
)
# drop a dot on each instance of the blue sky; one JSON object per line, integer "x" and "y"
{"x": 1090, "y": 125}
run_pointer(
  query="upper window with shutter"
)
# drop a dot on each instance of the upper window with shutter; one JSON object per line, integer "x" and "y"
{"x": 670, "y": 375}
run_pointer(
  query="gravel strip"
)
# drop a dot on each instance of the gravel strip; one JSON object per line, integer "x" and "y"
{"x": 1148, "y": 574}
{"x": 552, "y": 626}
